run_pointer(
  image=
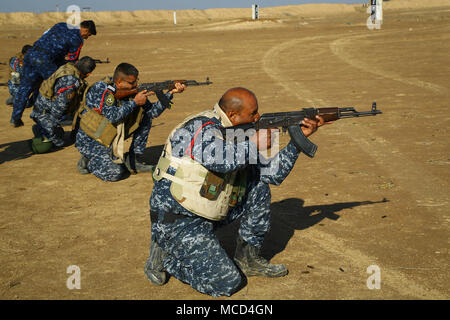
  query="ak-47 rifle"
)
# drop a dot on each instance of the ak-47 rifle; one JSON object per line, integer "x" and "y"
{"x": 102, "y": 61}
{"x": 291, "y": 121}
{"x": 158, "y": 87}
{"x": 3, "y": 84}
{"x": 3, "y": 63}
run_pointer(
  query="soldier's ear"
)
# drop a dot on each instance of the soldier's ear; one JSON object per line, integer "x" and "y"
{"x": 232, "y": 116}
{"x": 118, "y": 81}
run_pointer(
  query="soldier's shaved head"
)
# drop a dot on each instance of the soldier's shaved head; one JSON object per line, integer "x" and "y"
{"x": 240, "y": 105}
{"x": 234, "y": 98}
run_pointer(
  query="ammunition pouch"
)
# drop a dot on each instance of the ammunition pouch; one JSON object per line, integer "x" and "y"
{"x": 97, "y": 127}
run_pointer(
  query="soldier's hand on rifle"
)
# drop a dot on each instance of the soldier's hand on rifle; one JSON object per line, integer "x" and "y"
{"x": 310, "y": 126}
{"x": 141, "y": 97}
{"x": 178, "y": 88}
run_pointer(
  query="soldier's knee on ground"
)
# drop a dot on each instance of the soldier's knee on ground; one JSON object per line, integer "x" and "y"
{"x": 109, "y": 175}
{"x": 226, "y": 284}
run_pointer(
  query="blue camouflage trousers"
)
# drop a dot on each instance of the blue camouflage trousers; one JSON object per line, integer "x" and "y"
{"x": 14, "y": 88}
{"x": 48, "y": 127}
{"x": 36, "y": 68}
{"x": 100, "y": 159}
{"x": 194, "y": 254}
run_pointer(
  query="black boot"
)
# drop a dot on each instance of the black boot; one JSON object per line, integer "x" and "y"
{"x": 248, "y": 259}
{"x": 154, "y": 268}
{"x": 82, "y": 165}
{"x": 135, "y": 163}
{"x": 9, "y": 101}
{"x": 16, "y": 123}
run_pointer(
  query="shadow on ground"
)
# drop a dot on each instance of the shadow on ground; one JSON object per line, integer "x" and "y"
{"x": 152, "y": 154}
{"x": 19, "y": 150}
{"x": 287, "y": 216}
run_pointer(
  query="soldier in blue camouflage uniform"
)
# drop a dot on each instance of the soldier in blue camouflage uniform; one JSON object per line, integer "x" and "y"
{"x": 60, "y": 44}
{"x": 184, "y": 244}
{"x": 49, "y": 113}
{"x": 16, "y": 67}
{"x": 96, "y": 157}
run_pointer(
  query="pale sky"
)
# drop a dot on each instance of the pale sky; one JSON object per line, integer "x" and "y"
{"x": 111, "y": 5}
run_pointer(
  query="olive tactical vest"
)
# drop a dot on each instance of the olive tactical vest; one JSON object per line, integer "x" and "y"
{"x": 198, "y": 190}
{"x": 99, "y": 128}
{"x": 47, "y": 87}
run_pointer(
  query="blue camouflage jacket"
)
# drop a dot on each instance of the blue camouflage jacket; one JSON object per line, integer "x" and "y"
{"x": 235, "y": 156}
{"x": 60, "y": 40}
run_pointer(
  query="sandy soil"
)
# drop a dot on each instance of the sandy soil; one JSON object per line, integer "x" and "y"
{"x": 329, "y": 220}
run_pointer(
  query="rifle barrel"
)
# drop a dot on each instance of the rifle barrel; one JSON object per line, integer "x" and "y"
{"x": 352, "y": 113}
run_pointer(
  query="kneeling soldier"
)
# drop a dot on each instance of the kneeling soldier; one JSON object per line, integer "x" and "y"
{"x": 202, "y": 182}
{"x": 108, "y": 117}
{"x": 59, "y": 95}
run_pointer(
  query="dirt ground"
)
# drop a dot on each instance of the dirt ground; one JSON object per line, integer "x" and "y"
{"x": 377, "y": 192}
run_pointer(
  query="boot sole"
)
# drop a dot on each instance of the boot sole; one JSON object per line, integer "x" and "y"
{"x": 155, "y": 280}
{"x": 255, "y": 273}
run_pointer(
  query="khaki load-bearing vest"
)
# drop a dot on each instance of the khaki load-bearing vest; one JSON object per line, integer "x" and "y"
{"x": 47, "y": 87}
{"x": 13, "y": 75}
{"x": 100, "y": 129}
{"x": 198, "y": 190}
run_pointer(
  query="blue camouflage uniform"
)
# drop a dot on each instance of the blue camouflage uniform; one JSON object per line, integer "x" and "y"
{"x": 16, "y": 65}
{"x": 44, "y": 58}
{"x": 100, "y": 157}
{"x": 194, "y": 254}
{"x": 48, "y": 114}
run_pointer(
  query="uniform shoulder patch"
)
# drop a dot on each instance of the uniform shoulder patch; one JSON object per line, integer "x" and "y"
{"x": 110, "y": 100}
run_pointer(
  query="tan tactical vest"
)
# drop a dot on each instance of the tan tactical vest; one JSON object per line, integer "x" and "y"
{"x": 47, "y": 87}
{"x": 100, "y": 129}
{"x": 205, "y": 193}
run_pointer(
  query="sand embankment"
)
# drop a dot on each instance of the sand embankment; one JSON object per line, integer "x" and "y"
{"x": 27, "y": 19}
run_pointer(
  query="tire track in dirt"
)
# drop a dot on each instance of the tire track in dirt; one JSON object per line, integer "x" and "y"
{"x": 383, "y": 153}
{"x": 359, "y": 262}
{"x": 338, "y": 49}
{"x": 271, "y": 67}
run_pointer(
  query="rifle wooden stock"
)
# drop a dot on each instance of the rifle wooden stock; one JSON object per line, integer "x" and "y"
{"x": 124, "y": 93}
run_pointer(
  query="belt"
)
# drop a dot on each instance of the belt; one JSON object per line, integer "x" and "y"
{"x": 40, "y": 49}
{"x": 169, "y": 217}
